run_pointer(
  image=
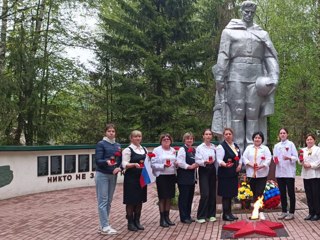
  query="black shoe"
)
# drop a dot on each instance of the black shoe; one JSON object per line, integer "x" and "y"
{"x": 187, "y": 221}
{"x": 192, "y": 220}
{"x": 234, "y": 217}
{"x": 227, "y": 217}
{"x": 309, "y": 217}
{"x": 167, "y": 219}
{"x": 137, "y": 222}
{"x": 138, "y": 225}
{"x": 131, "y": 226}
{"x": 163, "y": 222}
{"x": 315, "y": 218}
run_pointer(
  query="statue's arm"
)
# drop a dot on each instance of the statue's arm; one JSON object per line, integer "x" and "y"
{"x": 271, "y": 60}
{"x": 220, "y": 70}
{"x": 272, "y": 68}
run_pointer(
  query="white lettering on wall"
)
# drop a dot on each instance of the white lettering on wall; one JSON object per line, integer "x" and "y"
{"x": 64, "y": 178}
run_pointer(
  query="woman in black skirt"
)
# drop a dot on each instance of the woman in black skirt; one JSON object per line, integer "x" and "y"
{"x": 164, "y": 167}
{"x": 133, "y": 158}
{"x": 229, "y": 160}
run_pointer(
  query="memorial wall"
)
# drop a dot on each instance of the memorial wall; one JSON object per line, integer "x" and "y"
{"x": 28, "y": 170}
{"x": 34, "y": 169}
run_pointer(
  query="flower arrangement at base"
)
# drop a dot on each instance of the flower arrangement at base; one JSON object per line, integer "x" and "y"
{"x": 245, "y": 194}
{"x": 244, "y": 191}
{"x": 271, "y": 195}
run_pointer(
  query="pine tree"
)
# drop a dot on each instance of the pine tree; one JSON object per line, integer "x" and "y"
{"x": 156, "y": 57}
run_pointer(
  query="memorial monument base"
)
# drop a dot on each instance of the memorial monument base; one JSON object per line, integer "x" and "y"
{"x": 252, "y": 228}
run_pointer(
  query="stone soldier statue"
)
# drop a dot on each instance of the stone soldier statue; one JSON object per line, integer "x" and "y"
{"x": 246, "y": 76}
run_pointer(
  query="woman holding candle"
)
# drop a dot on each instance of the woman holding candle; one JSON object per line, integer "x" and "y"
{"x": 229, "y": 159}
{"x": 311, "y": 177}
{"x": 133, "y": 194}
{"x": 108, "y": 166}
{"x": 257, "y": 159}
{"x": 285, "y": 156}
{"x": 205, "y": 157}
{"x": 186, "y": 177}
{"x": 164, "y": 168}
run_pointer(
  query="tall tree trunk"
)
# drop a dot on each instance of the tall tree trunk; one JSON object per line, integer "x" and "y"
{"x": 43, "y": 108}
{"x": 3, "y": 34}
{"x": 32, "y": 99}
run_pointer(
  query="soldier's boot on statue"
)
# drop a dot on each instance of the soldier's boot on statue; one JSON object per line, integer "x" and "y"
{"x": 238, "y": 128}
{"x": 251, "y": 128}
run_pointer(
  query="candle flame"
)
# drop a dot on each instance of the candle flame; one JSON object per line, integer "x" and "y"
{"x": 256, "y": 206}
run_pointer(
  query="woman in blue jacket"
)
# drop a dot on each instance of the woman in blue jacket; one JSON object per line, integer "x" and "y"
{"x": 108, "y": 162}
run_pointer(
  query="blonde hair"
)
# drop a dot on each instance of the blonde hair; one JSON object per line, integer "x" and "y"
{"x": 187, "y": 135}
{"x": 135, "y": 133}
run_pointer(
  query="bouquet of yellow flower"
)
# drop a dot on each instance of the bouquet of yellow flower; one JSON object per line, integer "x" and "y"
{"x": 244, "y": 191}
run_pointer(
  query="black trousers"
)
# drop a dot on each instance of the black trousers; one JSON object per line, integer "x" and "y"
{"x": 287, "y": 184}
{"x": 312, "y": 189}
{"x": 186, "y": 193}
{"x": 207, "y": 184}
{"x": 257, "y": 186}
{"x": 226, "y": 205}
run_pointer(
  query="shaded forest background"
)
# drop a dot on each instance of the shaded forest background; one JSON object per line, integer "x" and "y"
{"x": 152, "y": 69}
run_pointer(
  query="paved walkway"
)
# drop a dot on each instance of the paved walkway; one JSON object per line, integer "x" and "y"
{"x": 72, "y": 214}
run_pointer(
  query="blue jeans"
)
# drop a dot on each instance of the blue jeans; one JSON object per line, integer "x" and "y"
{"x": 105, "y": 186}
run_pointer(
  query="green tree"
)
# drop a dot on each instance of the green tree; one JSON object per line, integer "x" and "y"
{"x": 294, "y": 29}
{"x": 155, "y": 65}
{"x": 34, "y": 68}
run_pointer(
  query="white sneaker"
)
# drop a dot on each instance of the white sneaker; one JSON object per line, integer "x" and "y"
{"x": 282, "y": 215}
{"x": 289, "y": 216}
{"x": 108, "y": 231}
{"x": 201, "y": 220}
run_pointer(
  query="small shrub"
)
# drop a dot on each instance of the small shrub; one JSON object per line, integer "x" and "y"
{"x": 298, "y": 170}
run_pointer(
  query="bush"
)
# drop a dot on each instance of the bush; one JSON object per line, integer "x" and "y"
{"x": 298, "y": 170}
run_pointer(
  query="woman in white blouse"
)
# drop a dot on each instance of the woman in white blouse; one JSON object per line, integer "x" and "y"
{"x": 186, "y": 177}
{"x": 257, "y": 159}
{"x": 311, "y": 177}
{"x": 285, "y": 156}
{"x": 205, "y": 157}
{"x": 164, "y": 168}
{"x": 133, "y": 158}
